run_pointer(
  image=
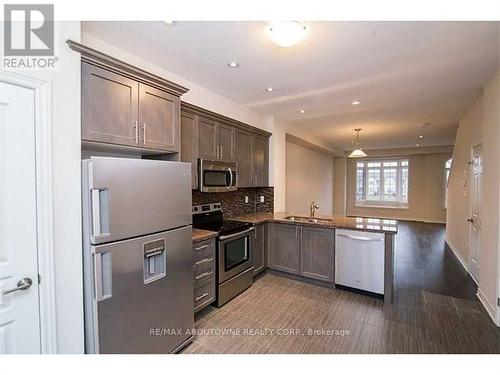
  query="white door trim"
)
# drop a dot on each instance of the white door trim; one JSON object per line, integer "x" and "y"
{"x": 469, "y": 182}
{"x": 44, "y": 194}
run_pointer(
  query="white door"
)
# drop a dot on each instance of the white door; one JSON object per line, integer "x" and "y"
{"x": 19, "y": 301}
{"x": 475, "y": 219}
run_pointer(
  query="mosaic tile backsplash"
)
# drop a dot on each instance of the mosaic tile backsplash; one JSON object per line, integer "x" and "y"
{"x": 233, "y": 202}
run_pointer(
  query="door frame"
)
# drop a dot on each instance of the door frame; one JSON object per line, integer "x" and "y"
{"x": 44, "y": 204}
{"x": 470, "y": 178}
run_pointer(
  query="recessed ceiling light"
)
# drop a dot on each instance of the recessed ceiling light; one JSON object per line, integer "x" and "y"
{"x": 420, "y": 136}
{"x": 233, "y": 64}
{"x": 355, "y": 102}
{"x": 270, "y": 89}
{"x": 287, "y": 33}
{"x": 170, "y": 23}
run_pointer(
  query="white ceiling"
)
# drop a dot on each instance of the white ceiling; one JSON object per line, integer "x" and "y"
{"x": 403, "y": 73}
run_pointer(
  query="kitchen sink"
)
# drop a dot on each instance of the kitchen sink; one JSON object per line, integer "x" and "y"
{"x": 304, "y": 219}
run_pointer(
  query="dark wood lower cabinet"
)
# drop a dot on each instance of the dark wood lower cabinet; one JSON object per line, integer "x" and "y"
{"x": 259, "y": 249}
{"x": 317, "y": 253}
{"x": 283, "y": 248}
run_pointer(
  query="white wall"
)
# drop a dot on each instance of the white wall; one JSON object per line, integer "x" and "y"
{"x": 481, "y": 124}
{"x": 65, "y": 102}
{"x": 469, "y": 134}
{"x": 340, "y": 186}
{"x": 488, "y": 258}
{"x": 309, "y": 177}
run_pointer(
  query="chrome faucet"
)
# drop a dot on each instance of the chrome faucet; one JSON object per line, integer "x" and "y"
{"x": 314, "y": 207}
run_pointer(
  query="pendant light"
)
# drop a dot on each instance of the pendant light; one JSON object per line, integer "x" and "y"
{"x": 358, "y": 151}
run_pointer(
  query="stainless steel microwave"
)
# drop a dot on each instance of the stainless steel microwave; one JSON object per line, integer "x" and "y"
{"x": 217, "y": 176}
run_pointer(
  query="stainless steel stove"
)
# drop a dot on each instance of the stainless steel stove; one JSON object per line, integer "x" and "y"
{"x": 234, "y": 250}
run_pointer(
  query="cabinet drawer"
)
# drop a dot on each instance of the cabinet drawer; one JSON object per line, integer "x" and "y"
{"x": 203, "y": 265}
{"x": 204, "y": 254}
{"x": 203, "y": 296}
{"x": 203, "y": 274}
{"x": 201, "y": 249}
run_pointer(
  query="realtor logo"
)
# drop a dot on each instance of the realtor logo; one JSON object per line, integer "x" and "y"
{"x": 29, "y": 36}
{"x": 29, "y": 29}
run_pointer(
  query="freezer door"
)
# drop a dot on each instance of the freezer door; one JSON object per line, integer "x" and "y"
{"x": 134, "y": 197}
{"x": 142, "y": 294}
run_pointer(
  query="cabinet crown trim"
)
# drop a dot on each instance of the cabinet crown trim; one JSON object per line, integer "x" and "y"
{"x": 102, "y": 60}
{"x": 195, "y": 110}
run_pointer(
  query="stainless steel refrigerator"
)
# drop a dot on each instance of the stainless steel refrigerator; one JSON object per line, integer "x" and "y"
{"x": 138, "y": 271}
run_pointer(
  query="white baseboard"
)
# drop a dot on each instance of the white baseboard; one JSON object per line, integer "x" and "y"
{"x": 462, "y": 261}
{"x": 489, "y": 307}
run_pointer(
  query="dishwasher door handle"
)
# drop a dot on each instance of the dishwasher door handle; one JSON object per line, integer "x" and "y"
{"x": 359, "y": 238}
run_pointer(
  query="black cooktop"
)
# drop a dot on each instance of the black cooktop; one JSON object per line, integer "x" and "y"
{"x": 210, "y": 217}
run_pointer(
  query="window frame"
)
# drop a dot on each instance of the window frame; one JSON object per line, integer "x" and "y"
{"x": 381, "y": 202}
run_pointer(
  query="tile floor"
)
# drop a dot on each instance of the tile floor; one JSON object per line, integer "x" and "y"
{"x": 281, "y": 315}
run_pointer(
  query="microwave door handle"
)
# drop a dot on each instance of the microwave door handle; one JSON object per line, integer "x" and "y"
{"x": 230, "y": 178}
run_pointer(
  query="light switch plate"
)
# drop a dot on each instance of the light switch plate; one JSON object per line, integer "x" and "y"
{"x": 246, "y": 198}
{"x": 261, "y": 199}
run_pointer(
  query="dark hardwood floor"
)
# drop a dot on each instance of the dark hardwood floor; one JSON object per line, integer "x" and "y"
{"x": 435, "y": 311}
{"x": 423, "y": 262}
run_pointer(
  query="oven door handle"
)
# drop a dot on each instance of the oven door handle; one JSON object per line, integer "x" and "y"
{"x": 230, "y": 178}
{"x": 222, "y": 238}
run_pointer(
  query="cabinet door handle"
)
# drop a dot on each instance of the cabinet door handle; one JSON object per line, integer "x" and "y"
{"x": 204, "y": 274}
{"x": 204, "y": 260}
{"x": 136, "y": 132}
{"x": 200, "y": 297}
{"x": 144, "y": 134}
{"x": 221, "y": 152}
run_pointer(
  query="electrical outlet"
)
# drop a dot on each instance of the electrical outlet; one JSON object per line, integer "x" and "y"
{"x": 261, "y": 199}
{"x": 246, "y": 198}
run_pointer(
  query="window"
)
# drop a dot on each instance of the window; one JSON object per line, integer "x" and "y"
{"x": 447, "y": 170}
{"x": 382, "y": 183}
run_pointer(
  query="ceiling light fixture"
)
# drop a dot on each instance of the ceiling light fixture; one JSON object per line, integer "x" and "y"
{"x": 420, "y": 136}
{"x": 286, "y": 33}
{"x": 302, "y": 111}
{"x": 355, "y": 102}
{"x": 170, "y": 23}
{"x": 358, "y": 151}
{"x": 270, "y": 89}
{"x": 233, "y": 64}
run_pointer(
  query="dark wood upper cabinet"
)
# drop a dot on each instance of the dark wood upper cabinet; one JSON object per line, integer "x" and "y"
{"x": 221, "y": 138}
{"x": 189, "y": 144}
{"x": 317, "y": 253}
{"x": 260, "y": 161}
{"x": 243, "y": 146}
{"x": 158, "y": 119}
{"x": 126, "y": 106}
{"x": 226, "y": 135}
{"x": 109, "y": 107}
{"x": 207, "y": 139}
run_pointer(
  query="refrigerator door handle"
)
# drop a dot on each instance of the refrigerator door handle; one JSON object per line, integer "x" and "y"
{"x": 100, "y": 212}
{"x": 103, "y": 276}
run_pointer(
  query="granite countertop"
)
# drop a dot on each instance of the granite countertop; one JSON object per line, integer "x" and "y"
{"x": 202, "y": 235}
{"x": 343, "y": 222}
